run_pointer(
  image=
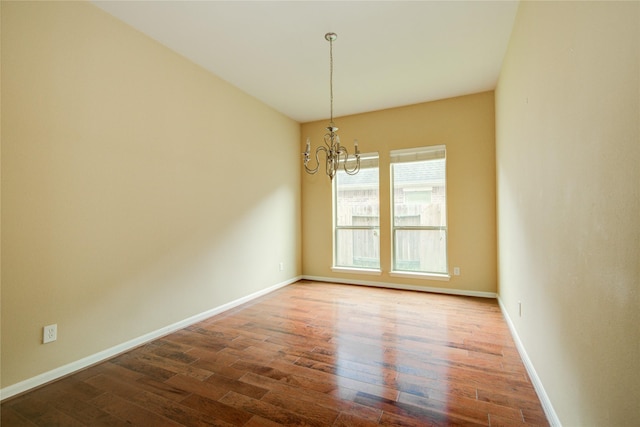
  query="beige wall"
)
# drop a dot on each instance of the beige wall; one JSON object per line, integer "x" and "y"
{"x": 568, "y": 172}
{"x": 466, "y": 126}
{"x": 136, "y": 187}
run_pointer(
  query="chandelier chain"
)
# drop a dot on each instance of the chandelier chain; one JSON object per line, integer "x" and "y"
{"x": 331, "y": 76}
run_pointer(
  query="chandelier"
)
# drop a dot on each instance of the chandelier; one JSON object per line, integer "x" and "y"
{"x": 335, "y": 154}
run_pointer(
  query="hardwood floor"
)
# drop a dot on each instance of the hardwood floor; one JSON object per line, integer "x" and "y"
{"x": 309, "y": 354}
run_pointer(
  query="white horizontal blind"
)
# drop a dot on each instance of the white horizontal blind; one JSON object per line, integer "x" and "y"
{"x": 367, "y": 160}
{"x": 433, "y": 152}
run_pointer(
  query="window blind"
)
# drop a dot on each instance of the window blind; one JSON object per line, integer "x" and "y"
{"x": 367, "y": 160}
{"x": 433, "y": 152}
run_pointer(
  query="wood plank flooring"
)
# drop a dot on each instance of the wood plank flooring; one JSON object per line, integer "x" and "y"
{"x": 309, "y": 354}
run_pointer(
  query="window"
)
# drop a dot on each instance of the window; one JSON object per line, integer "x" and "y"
{"x": 419, "y": 210}
{"x": 356, "y": 210}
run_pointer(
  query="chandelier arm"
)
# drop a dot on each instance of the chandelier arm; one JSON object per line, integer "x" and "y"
{"x": 355, "y": 169}
{"x": 328, "y": 140}
{"x": 316, "y": 155}
{"x": 345, "y": 153}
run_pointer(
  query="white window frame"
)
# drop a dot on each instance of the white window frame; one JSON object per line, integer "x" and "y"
{"x": 416, "y": 155}
{"x": 368, "y": 160}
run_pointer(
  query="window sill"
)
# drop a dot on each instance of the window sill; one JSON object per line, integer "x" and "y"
{"x": 352, "y": 270}
{"x": 427, "y": 276}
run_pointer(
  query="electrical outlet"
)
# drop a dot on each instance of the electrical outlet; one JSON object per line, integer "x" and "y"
{"x": 456, "y": 271}
{"x": 49, "y": 333}
{"x": 281, "y": 266}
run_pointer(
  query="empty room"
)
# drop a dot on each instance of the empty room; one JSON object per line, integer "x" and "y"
{"x": 323, "y": 213}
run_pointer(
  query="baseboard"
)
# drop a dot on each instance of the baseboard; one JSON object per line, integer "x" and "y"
{"x": 72, "y": 367}
{"x": 449, "y": 291}
{"x": 552, "y": 417}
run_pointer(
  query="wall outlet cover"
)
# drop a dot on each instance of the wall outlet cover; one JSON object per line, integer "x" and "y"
{"x": 49, "y": 333}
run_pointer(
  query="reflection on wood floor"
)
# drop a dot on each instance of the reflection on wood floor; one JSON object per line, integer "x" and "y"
{"x": 309, "y": 354}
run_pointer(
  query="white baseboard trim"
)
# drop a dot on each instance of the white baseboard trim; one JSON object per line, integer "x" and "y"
{"x": 403, "y": 287}
{"x": 101, "y": 356}
{"x": 552, "y": 417}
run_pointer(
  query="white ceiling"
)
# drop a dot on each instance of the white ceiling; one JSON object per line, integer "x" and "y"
{"x": 388, "y": 53}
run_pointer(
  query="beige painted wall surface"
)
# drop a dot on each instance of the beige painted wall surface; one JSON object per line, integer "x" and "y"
{"x": 568, "y": 172}
{"x": 466, "y": 125}
{"x": 136, "y": 187}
